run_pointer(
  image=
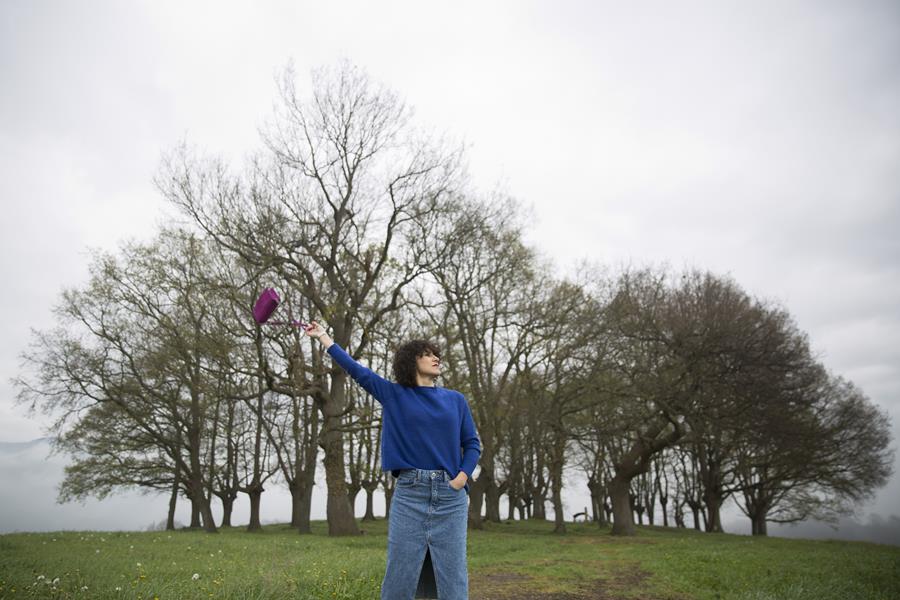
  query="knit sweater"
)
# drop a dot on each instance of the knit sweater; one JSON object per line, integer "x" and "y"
{"x": 423, "y": 427}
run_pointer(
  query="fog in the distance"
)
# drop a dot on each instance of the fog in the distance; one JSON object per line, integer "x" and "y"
{"x": 31, "y": 477}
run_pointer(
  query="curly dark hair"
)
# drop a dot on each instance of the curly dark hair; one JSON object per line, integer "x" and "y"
{"x": 405, "y": 360}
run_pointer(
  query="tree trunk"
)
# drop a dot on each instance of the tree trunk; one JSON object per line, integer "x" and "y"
{"x": 559, "y": 522}
{"x": 388, "y": 496}
{"x": 476, "y": 498}
{"x": 633, "y": 463}
{"x": 206, "y": 513}
{"x": 338, "y": 510}
{"x": 758, "y": 511}
{"x": 195, "y": 513}
{"x": 173, "y": 501}
{"x": 619, "y": 491}
{"x": 695, "y": 510}
{"x": 301, "y": 496}
{"x": 524, "y": 509}
{"x": 254, "y": 492}
{"x": 370, "y": 496}
{"x": 713, "y": 505}
{"x": 489, "y": 487}
{"x": 679, "y": 515}
{"x": 539, "y": 509}
{"x": 227, "y": 507}
{"x": 196, "y": 479}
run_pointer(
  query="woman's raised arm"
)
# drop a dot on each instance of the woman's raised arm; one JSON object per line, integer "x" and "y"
{"x": 375, "y": 384}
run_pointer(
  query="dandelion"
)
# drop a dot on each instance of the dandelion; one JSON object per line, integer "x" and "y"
{"x": 56, "y": 581}
{"x": 84, "y": 588}
{"x": 139, "y": 564}
{"x": 195, "y": 576}
{"x": 41, "y": 578}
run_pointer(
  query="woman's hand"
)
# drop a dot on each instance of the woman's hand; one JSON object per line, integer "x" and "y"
{"x": 313, "y": 329}
{"x": 459, "y": 480}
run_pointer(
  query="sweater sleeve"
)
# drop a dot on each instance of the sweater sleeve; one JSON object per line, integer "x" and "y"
{"x": 469, "y": 440}
{"x": 375, "y": 384}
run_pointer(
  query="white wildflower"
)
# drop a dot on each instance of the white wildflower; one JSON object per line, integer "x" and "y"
{"x": 196, "y": 576}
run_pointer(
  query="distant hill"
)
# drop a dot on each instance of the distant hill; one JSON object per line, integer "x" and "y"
{"x": 30, "y": 478}
{"x": 12, "y": 447}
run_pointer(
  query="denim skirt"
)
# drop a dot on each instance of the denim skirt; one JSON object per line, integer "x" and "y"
{"x": 426, "y": 515}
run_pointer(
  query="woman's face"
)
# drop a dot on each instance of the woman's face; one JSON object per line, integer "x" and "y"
{"x": 428, "y": 364}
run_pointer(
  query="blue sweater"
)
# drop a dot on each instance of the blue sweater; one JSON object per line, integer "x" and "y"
{"x": 423, "y": 427}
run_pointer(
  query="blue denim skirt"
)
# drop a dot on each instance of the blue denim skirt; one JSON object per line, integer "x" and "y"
{"x": 426, "y": 515}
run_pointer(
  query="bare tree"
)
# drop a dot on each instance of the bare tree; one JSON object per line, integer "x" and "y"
{"x": 343, "y": 213}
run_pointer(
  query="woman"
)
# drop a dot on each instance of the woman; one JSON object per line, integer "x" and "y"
{"x": 424, "y": 428}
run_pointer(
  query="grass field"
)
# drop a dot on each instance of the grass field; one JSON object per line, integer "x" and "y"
{"x": 521, "y": 560}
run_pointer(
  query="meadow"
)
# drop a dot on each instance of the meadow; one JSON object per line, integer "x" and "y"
{"x": 521, "y": 560}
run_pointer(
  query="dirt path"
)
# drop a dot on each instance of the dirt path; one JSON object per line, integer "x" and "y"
{"x": 624, "y": 585}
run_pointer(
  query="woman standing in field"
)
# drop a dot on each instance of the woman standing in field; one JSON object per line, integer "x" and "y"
{"x": 429, "y": 443}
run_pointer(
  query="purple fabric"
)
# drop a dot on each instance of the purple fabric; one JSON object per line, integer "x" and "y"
{"x": 265, "y": 305}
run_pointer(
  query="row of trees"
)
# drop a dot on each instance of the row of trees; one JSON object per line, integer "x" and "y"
{"x": 657, "y": 385}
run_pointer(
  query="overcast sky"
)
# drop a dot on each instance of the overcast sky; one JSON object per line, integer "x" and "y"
{"x": 757, "y": 139}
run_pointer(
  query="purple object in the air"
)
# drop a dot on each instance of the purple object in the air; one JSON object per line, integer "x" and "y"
{"x": 265, "y": 305}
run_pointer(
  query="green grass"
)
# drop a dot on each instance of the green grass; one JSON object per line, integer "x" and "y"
{"x": 506, "y": 560}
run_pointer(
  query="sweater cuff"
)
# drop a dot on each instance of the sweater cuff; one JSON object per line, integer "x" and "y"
{"x": 469, "y": 461}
